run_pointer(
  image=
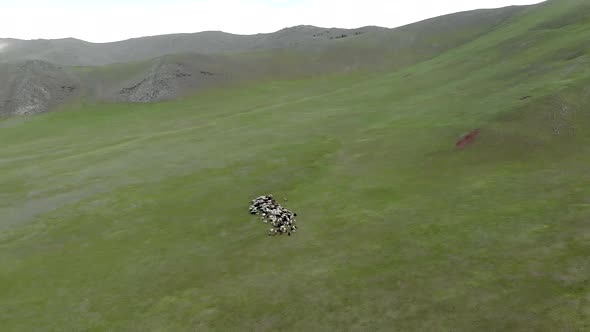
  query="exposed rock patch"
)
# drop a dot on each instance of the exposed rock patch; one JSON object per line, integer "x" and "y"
{"x": 163, "y": 81}
{"x": 35, "y": 87}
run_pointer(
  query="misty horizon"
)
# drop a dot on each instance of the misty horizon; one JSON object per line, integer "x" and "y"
{"x": 128, "y": 19}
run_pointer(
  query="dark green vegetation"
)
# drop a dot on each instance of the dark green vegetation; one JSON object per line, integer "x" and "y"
{"x": 127, "y": 217}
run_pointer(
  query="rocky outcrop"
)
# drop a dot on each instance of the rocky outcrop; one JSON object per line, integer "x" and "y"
{"x": 34, "y": 87}
{"x": 165, "y": 80}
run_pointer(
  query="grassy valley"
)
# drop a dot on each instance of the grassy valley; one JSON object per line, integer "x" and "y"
{"x": 119, "y": 216}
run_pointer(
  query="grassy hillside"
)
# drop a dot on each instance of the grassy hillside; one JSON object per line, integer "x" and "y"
{"x": 126, "y": 217}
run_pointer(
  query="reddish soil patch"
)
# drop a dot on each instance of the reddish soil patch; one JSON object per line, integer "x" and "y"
{"x": 467, "y": 139}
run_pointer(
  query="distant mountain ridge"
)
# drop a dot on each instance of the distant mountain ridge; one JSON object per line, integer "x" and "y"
{"x": 156, "y": 68}
{"x": 75, "y": 52}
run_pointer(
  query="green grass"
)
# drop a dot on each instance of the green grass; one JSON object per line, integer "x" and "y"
{"x": 120, "y": 217}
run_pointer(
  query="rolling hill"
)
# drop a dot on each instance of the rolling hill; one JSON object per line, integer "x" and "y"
{"x": 458, "y": 28}
{"x": 119, "y": 216}
{"x": 167, "y": 67}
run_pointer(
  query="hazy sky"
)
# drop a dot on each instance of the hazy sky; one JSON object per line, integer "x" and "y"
{"x": 110, "y": 20}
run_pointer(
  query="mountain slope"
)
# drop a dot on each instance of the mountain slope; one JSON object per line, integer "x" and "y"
{"x": 290, "y": 53}
{"x": 162, "y": 78}
{"x": 34, "y": 86}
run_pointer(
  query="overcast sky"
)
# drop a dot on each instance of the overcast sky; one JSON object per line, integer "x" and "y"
{"x": 111, "y": 20}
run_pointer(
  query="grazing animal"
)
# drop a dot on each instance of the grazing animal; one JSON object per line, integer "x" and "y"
{"x": 282, "y": 220}
{"x": 467, "y": 139}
